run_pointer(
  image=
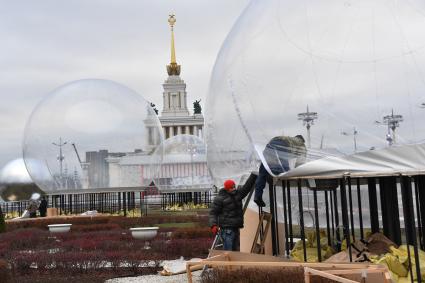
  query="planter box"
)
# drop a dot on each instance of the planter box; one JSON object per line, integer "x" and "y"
{"x": 59, "y": 228}
{"x": 144, "y": 233}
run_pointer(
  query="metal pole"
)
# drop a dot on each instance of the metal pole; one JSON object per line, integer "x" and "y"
{"x": 421, "y": 192}
{"x": 328, "y": 229}
{"x": 337, "y": 235}
{"x": 273, "y": 213}
{"x": 418, "y": 213}
{"x": 409, "y": 223}
{"x": 316, "y": 215}
{"x": 119, "y": 201}
{"x": 308, "y": 136}
{"x": 300, "y": 207}
{"x": 124, "y": 204}
{"x": 345, "y": 223}
{"x": 276, "y": 220}
{"x": 291, "y": 234}
{"x": 373, "y": 205}
{"x": 389, "y": 201}
{"x": 332, "y": 215}
{"x": 359, "y": 205}
{"x": 285, "y": 217}
{"x": 350, "y": 201}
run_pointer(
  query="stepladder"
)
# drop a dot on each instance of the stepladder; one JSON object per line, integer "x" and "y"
{"x": 264, "y": 222}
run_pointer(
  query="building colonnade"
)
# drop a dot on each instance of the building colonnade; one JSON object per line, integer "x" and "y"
{"x": 170, "y": 131}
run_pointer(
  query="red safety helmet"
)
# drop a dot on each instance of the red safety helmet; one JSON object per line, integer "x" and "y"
{"x": 229, "y": 184}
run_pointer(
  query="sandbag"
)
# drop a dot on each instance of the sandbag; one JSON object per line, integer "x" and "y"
{"x": 393, "y": 264}
{"x": 397, "y": 261}
{"x": 297, "y": 252}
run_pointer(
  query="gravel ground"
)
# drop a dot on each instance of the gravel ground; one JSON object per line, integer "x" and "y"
{"x": 180, "y": 278}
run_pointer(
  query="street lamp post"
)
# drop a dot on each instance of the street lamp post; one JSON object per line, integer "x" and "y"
{"x": 60, "y": 157}
{"x": 308, "y": 120}
{"x": 392, "y": 122}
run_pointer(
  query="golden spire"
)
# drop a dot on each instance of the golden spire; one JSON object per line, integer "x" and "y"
{"x": 172, "y": 21}
{"x": 173, "y": 68}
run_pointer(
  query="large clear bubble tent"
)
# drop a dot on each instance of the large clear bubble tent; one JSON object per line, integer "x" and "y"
{"x": 184, "y": 157}
{"x": 349, "y": 77}
{"x": 77, "y": 134}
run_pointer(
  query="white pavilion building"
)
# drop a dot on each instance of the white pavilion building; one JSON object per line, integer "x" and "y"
{"x": 133, "y": 169}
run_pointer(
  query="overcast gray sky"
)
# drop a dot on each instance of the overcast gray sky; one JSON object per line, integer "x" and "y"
{"x": 45, "y": 44}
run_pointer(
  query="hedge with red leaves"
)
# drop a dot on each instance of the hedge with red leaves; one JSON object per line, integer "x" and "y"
{"x": 106, "y": 222}
{"x": 111, "y": 253}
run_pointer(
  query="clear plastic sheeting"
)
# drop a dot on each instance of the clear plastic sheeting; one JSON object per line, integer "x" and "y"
{"x": 346, "y": 75}
{"x": 183, "y": 166}
{"x": 76, "y": 133}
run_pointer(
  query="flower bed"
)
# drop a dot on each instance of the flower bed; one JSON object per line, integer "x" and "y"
{"x": 117, "y": 221}
{"x": 96, "y": 249}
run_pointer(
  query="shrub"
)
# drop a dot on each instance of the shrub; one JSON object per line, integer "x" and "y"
{"x": 97, "y": 246}
{"x": 5, "y": 273}
{"x": 56, "y": 277}
{"x": 83, "y": 222}
{"x": 25, "y": 239}
{"x": 191, "y": 233}
{"x": 95, "y": 227}
{"x": 42, "y": 222}
{"x": 2, "y": 222}
{"x": 187, "y": 248}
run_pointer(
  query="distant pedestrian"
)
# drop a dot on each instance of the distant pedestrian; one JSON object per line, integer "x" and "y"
{"x": 226, "y": 214}
{"x": 32, "y": 208}
{"x": 43, "y": 207}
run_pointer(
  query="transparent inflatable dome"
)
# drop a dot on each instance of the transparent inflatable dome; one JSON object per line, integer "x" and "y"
{"x": 348, "y": 76}
{"x": 184, "y": 165}
{"x": 79, "y": 136}
{"x": 16, "y": 184}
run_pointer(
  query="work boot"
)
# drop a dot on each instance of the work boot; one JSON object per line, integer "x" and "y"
{"x": 259, "y": 201}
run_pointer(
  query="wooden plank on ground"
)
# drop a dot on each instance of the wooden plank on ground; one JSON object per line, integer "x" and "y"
{"x": 222, "y": 256}
{"x": 239, "y": 256}
{"x": 285, "y": 264}
{"x": 309, "y": 271}
{"x": 378, "y": 273}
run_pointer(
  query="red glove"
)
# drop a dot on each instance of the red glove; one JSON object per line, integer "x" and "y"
{"x": 214, "y": 229}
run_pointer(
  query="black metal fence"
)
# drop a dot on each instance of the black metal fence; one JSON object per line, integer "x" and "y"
{"x": 112, "y": 202}
{"x": 393, "y": 205}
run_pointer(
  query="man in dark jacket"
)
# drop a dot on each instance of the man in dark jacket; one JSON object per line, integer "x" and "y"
{"x": 226, "y": 214}
{"x": 278, "y": 152}
{"x": 43, "y": 207}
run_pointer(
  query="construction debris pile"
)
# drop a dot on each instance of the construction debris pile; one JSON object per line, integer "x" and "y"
{"x": 397, "y": 261}
{"x": 376, "y": 249}
{"x": 297, "y": 252}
